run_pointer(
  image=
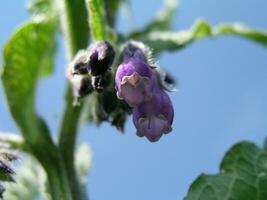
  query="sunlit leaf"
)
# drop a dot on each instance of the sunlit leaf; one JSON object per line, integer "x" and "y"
{"x": 45, "y": 9}
{"x": 243, "y": 176}
{"x": 25, "y": 56}
{"x": 242, "y": 31}
{"x": 37, "y": 7}
{"x": 173, "y": 41}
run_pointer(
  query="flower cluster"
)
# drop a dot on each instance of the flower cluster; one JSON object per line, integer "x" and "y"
{"x": 90, "y": 69}
{"x": 137, "y": 82}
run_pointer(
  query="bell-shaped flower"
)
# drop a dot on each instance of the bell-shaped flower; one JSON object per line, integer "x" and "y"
{"x": 154, "y": 118}
{"x": 133, "y": 81}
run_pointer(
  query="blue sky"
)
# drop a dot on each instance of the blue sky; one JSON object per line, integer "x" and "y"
{"x": 222, "y": 99}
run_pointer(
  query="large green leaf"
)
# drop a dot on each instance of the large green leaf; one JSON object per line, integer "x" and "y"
{"x": 45, "y": 9}
{"x": 26, "y": 55}
{"x": 172, "y": 41}
{"x": 243, "y": 176}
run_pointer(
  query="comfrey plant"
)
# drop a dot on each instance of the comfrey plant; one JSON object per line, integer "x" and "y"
{"x": 111, "y": 76}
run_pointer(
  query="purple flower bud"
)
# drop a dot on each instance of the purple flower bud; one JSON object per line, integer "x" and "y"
{"x": 90, "y": 69}
{"x": 133, "y": 81}
{"x": 100, "y": 82}
{"x": 81, "y": 86}
{"x": 134, "y": 50}
{"x": 101, "y": 57}
{"x": 78, "y": 76}
{"x": 154, "y": 118}
{"x": 78, "y": 66}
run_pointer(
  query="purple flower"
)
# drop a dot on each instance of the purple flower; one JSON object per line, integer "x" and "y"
{"x": 133, "y": 81}
{"x": 140, "y": 83}
{"x": 154, "y": 118}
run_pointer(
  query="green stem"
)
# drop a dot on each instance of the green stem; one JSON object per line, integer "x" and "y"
{"x": 43, "y": 148}
{"x": 56, "y": 174}
{"x": 67, "y": 142}
{"x": 76, "y": 33}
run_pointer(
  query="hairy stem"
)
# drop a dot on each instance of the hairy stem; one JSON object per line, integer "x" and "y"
{"x": 76, "y": 33}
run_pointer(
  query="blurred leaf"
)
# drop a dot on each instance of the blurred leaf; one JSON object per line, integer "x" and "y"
{"x": 83, "y": 160}
{"x": 242, "y": 31}
{"x": 37, "y": 7}
{"x": 162, "y": 21}
{"x": 12, "y": 141}
{"x": 25, "y": 56}
{"x": 243, "y": 176}
{"x": 173, "y": 41}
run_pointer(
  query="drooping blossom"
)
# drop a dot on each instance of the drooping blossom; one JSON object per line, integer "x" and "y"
{"x": 133, "y": 77}
{"x": 154, "y": 118}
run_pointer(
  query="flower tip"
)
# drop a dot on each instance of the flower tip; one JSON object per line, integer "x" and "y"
{"x": 153, "y": 138}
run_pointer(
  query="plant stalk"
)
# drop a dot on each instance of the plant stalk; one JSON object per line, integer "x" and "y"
{"x": 76, "y": 34}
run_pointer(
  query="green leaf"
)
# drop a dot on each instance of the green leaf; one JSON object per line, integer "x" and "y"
{"x": 97, "y": 19}
{"x": 26, "y": 55}
{"x": 243, "y": 176}
{"x": 162, "y": 21}
{"x": 173, "y": 41}
{"x": 37, "y": 7}
{"x": 242, "y": 31}
{"x": 45, "y": 9}
{"x": 24, "y": 58}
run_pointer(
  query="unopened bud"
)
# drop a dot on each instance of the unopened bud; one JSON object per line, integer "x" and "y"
{"x": 89, "y": 70}
{"x": 101, "y": 57}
